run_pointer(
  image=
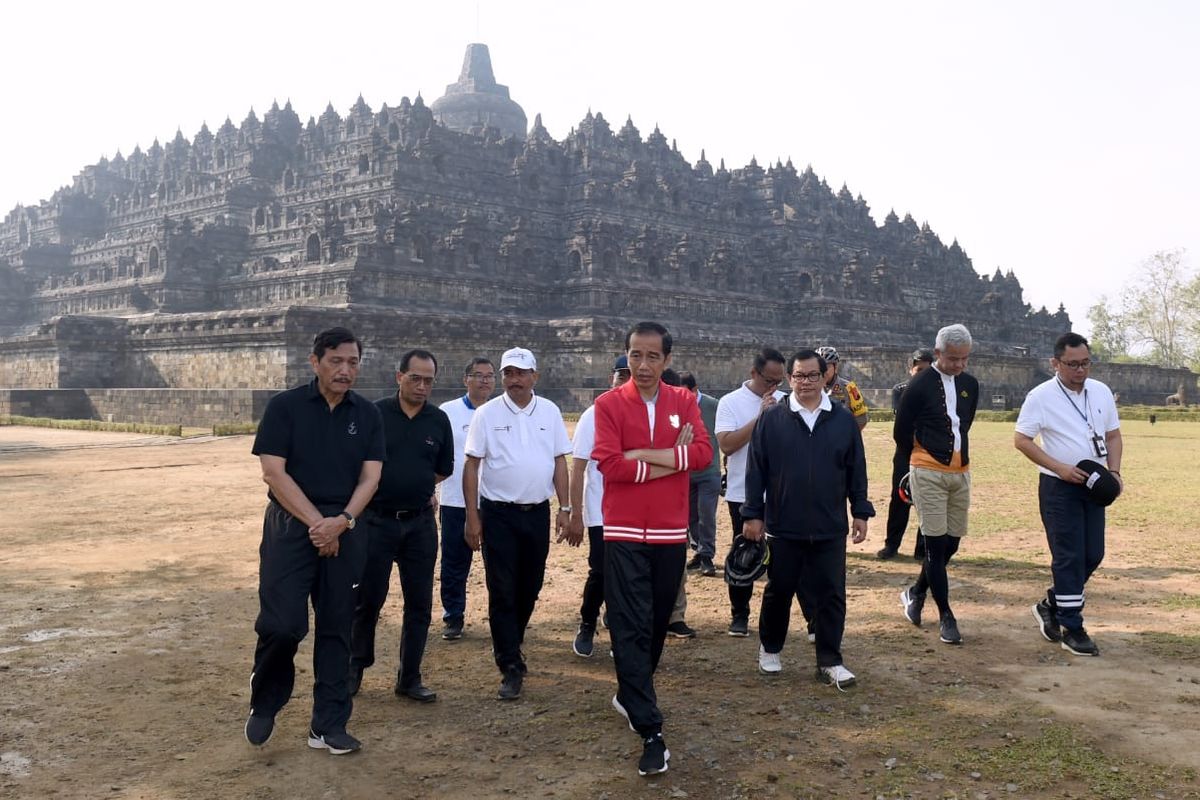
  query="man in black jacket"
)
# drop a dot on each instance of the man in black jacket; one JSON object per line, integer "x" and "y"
{"x": 806, "y": 456}
{"x": 932, "y": 427}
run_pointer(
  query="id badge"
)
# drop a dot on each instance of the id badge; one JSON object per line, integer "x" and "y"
{"x": 1099, "y": 445}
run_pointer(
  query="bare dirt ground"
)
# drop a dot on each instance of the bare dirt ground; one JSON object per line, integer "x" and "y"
{"x": 127, "y": 599}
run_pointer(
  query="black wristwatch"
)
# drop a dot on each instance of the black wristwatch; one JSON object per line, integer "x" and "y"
{"x": 350, "y": 520}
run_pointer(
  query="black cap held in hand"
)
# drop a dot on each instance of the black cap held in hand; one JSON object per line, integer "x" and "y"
{"x": 1102, "y": 486}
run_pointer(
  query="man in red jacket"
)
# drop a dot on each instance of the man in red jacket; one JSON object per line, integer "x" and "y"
{"x": 648, "y": 437}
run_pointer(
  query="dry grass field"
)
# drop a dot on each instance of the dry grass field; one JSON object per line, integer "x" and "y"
{"x": 127, "y": 599}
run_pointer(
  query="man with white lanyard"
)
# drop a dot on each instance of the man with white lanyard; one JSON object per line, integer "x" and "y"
{"x": 1076, "y": 418}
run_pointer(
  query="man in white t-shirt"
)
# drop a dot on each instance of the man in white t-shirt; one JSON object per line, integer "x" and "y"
{"x": 1076, "y": 418}
{"x": 737, "y": 412}
{"x": 479, "y": 378}
{"x": 516, "y": 451}
{"x": 587, "y": 492}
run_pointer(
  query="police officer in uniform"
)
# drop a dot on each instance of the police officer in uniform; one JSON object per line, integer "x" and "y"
{"x": 322, "y": 450}
{"x": 843, "y": 390}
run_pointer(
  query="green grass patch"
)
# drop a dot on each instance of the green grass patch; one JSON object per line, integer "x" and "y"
{"x": 93, "y": 425}
{"x": 234, "y": 428}
{"x": 1181, "y": 647}
{"x": 1059, "y": 753}
{"x": 1180, "y": 602}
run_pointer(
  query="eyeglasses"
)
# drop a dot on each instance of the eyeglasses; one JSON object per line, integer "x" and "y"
{"x": 1084, "y": 364}
{"x": 811, "y": 377}
{"x": 420, "y": 379}
{"x": 482, "y": 376}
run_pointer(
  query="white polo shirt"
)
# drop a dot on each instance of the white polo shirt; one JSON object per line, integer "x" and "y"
{"x": 460, "y": 412}
{"x": 1057, "y": 414}
{"x": 810, "y": 417}
{"x": 518, "y": 447}
{"x": 593, "y": 481}
{"x": 733, "y": 411}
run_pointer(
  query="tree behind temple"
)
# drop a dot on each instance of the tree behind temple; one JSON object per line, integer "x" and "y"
{"x": 1158, "y": 319}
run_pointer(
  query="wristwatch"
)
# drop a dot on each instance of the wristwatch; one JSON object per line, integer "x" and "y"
{"x": 350, "y": 520}
{"x": 565, "y": 509}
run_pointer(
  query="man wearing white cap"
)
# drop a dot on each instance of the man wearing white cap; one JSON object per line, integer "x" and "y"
{"x": 516, "y": 459}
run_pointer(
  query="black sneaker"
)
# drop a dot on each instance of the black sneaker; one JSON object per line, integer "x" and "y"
{"x": 583, "y": 645}
{"x": 708, "y": 570}
{"x": 655, "y": 756}
{"x": 681, "y": 630}
{"x": 912, "y": 603}
{"x": 948, "y": 630}
{"x": 259, "y": 728}
{"x": 740, "y": 626}
{"x": 1044, "y": 615}
{"x": 453, "y": 630}
{"x": 354, "y": 679}
{"x": 696, "y": 564}
{"x": 338, "y": 744}
{"x": 886, "y": 553}
{"x": 1079, "y": 643}
{"x": 510, "y": 685}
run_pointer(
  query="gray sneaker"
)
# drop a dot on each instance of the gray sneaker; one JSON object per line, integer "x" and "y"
{"x": 948, "y": 630}
{"x": 912, "y": 603}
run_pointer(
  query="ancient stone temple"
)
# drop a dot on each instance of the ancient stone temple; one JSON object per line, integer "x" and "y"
{"x": 208, "y": 263}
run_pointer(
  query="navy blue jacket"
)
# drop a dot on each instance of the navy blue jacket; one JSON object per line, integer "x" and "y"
{"x": 807, "y": 476}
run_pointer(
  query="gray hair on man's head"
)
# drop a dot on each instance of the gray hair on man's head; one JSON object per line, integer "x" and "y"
{"x": 955, "y": 335}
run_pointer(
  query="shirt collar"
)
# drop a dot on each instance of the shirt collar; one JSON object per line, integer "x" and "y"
{"x": 945, "y": 377}
{"x": 467, "y": 402}
{"x": 794, "y": 404}
{"x": 514, "y": 408}
{"x": 315, "y": 394}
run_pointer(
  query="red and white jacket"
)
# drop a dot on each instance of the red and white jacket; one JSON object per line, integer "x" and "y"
{"x": 637, "y": 509}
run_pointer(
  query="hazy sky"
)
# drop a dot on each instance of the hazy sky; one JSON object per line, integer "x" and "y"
{"x": 1058, "y": 139}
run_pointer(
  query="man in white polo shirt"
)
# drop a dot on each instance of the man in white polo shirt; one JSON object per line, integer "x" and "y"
{"x": 1076, "y": 418}
{"x": 737, "y": 412}
{"x": 587, "y": 492}
{"x": 479, "y": 378}
{"x": 516, "y": 460}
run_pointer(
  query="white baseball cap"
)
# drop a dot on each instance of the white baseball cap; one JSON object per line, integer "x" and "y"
{"x": 520, "y": 358}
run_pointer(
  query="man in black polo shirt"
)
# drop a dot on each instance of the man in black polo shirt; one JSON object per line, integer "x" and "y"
{"x": 321, "y": 448}
{"x": 400, "y": 523}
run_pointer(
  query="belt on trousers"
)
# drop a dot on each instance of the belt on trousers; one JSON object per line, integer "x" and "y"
{"x": 516, "y": 506}
{"x": 394, "y": 513}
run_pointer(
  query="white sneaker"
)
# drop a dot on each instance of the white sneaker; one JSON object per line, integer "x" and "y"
{"x": 768, "y": 663}
{"x": 836, "y": 675}
{"x": 621, "y": 710}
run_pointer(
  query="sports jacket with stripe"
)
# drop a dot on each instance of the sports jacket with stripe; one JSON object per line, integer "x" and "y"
{"x": 637, "y": 509}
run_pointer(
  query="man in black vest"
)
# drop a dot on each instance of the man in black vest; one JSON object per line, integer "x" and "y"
{"x": 932, "y": 430}
{"x": 898, "y": 509}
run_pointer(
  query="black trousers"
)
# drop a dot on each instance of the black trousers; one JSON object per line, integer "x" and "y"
{"x": 739, "y": 596}
{"x": 516, "y": 543}
{"x": 640, "y": 585}
{"x": 410, "y": 544}
{"x": 818, "y": 570}
{"x": 898, "y": 510}
{"x": 593, "y": 587}
{"x": 289, "y": 573}
{"x": 1075, "y": 532}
